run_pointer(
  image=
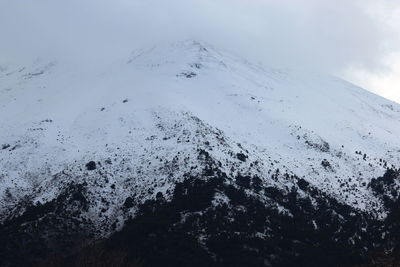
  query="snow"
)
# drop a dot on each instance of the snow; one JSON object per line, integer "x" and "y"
{"x": 59, "y": 115}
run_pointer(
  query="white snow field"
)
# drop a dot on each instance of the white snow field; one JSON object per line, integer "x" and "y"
{"x": 143, "y": 119}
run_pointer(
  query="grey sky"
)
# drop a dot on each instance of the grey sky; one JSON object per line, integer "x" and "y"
{"x": 357, "y": 39}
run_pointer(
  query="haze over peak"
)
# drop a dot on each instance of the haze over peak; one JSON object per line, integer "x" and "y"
{"x": 353, "y": 39}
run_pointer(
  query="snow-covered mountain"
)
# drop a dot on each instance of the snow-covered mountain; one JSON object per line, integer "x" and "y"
{"x": 85, "y": 149}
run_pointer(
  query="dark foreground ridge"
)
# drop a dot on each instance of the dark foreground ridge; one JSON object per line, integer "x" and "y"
{"x": 211, "y": 220}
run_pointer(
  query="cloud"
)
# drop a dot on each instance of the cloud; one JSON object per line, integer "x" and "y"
{"x": 329, "y": 35}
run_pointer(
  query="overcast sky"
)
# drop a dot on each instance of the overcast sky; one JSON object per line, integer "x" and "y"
{"x": 355, "y": 39}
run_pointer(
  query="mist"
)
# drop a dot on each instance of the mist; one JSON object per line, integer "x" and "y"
{"x": 333, "y": 36}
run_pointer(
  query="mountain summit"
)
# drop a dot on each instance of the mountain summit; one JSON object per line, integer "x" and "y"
{"x": 185, "y": 155}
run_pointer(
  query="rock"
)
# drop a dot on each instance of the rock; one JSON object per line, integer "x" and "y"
{"x": 241, "y": 157}
{"x": 91, "y": 165}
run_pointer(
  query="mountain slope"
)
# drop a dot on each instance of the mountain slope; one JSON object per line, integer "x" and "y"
{"x": 85, "y": 149}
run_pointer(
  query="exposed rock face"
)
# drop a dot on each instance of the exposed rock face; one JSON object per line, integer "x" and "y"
{"x": 91, "y": 165}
